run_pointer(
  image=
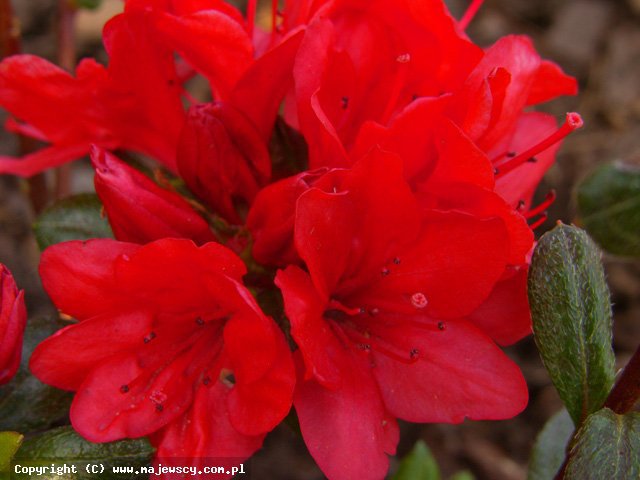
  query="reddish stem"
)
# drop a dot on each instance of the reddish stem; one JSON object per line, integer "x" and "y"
{"x": 10, "y": 45}
{"x": 626, "y": 392}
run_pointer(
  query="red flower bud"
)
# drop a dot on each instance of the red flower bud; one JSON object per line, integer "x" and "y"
{"x": 140, "y": 211}
{"x": 13, "y": 318}
{"x": 222, "y": 158}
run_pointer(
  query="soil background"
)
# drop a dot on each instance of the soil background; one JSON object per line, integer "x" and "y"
{"x": 598, "y": 41}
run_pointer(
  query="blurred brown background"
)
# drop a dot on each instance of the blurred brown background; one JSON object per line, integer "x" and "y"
{"x": 598, "y": 41}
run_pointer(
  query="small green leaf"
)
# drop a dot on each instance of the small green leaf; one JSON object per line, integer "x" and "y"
{"x": 9, "y": 444}
{"x": 550, "y": 447}
{"x": 62, "y": 446}
{"x": 26, "y": 404}
{"x": 419, "y": 464}
{"x": 73, "y": 218}
{"x": 571, "y": 315}
{"x": 606, "y": 446}
{"x": 88, "y": 4}
{"x": 609, "y": 206}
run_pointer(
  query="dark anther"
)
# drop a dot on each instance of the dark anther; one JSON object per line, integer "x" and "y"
{"x": 396, "y": 260}
{"x": 345, "y": 103}
{"x": 385, "y": 272}
{"x": 512, "y": 154}
{"x": 532, "y": 160}
{"x": 521, "y": 204}
{"x": 364, "y": 346}
{"x": 231, "y": 379}
{"x": 414, "y": 97}
{"x": 124, "y": 388}
{"x": 496, "y": 171}
{"x": 206, "y": 380}
{"x": 414, "y": 353}
{"x": 159, "y": 407}
{"x": 440, "y": 325}
{"x": 199, "y": 321}
{"x": 149, "y": 337}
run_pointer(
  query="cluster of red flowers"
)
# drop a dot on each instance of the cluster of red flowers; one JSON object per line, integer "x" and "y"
{"x": 399, "y": 241}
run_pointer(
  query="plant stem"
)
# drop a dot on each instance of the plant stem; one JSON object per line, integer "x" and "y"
{"x": 626, "y": 391}
{"x": 67, "y": 60}
{"x": 10, "y": 45}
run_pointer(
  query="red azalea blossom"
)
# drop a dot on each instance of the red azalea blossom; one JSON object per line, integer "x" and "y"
{"x": 140, "y": 211}
{"x": 13, "y": 318}
{"x": 167, "y": 335}
{"x": 383, "y": 318}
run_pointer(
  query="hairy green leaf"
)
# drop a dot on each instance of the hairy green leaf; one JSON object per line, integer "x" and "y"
{"x": 75, "y": 218}
{"x": 609, "y": 206}
{"x": 571, "y": 315}
{"x": 606, "y": 446}
{"x": 62, "y": 446}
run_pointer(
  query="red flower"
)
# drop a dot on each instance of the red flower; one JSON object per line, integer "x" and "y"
{"x": 140, "y": 211}
{"x": 167, "y": 335}
{"x": 384, "y": 316}
{"x": 13, "y": 318}
{"x": 133, "y": 104}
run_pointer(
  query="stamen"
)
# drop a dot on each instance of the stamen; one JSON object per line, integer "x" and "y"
{"x": 376, "y": 345}
{"x": 539, "y": 222}
{"x": 548, "y": 200}
{"x": 469, "y": 14}
{"x": 572, "y": 122}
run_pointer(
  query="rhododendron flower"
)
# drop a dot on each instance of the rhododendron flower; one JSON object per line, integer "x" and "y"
{"x": 169, "y": 343}
{"x": 139, "y": 210}
{"x": 13, "y": 318}
{"x": 383, "y": 316}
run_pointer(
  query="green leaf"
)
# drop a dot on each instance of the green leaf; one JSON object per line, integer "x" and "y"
{"x": 62, "y": 446}
{"x": 463, "y": 475}
{"x": 73, "y": 218}
{"x": 606, "y": 446}
{"x": 9, "y": 444}
{"x": 88, "y": 4}
{"x": 550, "y": 448}
{"x": 419, "y": 464}
{"x": 26, "y": 404}
{"x": 571, "y": 315}
{"x": 609, "y": 206}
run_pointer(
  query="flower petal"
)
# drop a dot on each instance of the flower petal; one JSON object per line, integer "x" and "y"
{"x": 460, "y": 373}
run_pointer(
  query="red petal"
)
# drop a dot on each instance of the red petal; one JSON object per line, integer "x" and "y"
{"x": 372, "y": 209}
{"x": 257, "y": 404}
{"x": 460, "y": 373}
{"x": 212, "y": 42}
{"x": 445, "y": 265}
{"x": 505, "y": 315}
{"x": 140, "y": 211}
{"x": 347, "y": 431}
{"x": 272, "y": 72}
{"x": 41, "y": 160}
{"x": 92, "y": 342}
{"x": 80, "y": 277}
{"x": 322, "y": 352}
{"x": 101, "y": 412}
{"x": 202, "y": 438}
{"x": 550, "y": 82}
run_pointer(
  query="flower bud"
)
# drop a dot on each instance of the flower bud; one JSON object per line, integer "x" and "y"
{"x": 139, "y": 210}
{"x": 222, "y": 158}
{"x": 13, "y": 318}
